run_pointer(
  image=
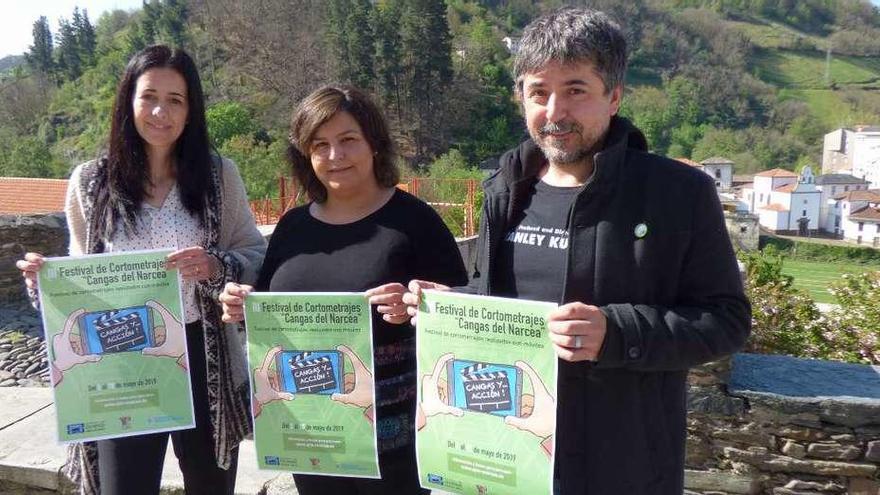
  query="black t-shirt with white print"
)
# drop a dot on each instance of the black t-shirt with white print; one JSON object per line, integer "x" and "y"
{"x": 532, "y": 256}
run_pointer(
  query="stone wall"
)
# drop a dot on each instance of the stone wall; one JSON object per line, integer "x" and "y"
{"x": 743, "y": 229}
{"x": 783, "y": 426}
{"x": 45, "y": 234}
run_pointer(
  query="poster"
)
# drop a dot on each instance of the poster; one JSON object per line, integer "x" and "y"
{"x": 487, "y": 395}
{"x": 116, "y": 345}
{"x": 310, "y": 360}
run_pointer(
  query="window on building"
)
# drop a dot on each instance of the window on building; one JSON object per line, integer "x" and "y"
{"x": 804, "y": 213}
{"x": 837, "y": 221}
{"x": 761, "y": 198}
{"x": 717, "y": 174}
{"x": 833, "y": 189}
{"x": 742, "y": 230}
{"x": 859, "y": 240}
{"x": 861, "y": 226}
{"x": 845, "y": 188}
{"x": 805, "y": 201}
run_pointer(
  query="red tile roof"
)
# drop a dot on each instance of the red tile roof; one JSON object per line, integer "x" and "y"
{"x": 866, "y": 213}
{"x": 688, "y": 161}
{"x": 774, "y": 207}
{"x": 787, "y": 188}
{"x": 870, "y": 195}
{"x": 24, "y": 195}
{"x": 777, "y": 172}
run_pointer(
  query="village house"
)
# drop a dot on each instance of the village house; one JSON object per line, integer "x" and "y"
{"x": 833, "y": 186}
{"x": 784, "y": 201}
{"x": 857, "y": 216}
{"x": 853, "y": 151}
{"x": 720, "y": 169}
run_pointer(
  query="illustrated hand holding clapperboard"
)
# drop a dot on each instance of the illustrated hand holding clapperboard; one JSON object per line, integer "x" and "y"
{"x": 456, "y": 386}
{"x": 88, "y": 336}
{"x": 286, "y": 373}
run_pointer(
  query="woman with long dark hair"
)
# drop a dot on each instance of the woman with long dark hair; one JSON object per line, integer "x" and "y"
{"x": 358, "y": 233}
{"x": 160, "y": 186}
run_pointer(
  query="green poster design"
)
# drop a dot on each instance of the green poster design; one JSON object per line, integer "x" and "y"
{"x": 487, "y": 395}
{"x": 117, "y": 345}
{"x": 310, "y": 358}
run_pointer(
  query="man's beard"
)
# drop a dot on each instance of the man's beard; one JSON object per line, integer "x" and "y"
{"x": 588, "y": 147}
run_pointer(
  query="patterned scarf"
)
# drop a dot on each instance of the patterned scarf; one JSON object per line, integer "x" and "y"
{"x": 228, "y": 405}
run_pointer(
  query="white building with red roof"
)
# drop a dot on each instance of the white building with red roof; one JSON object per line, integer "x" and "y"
{"x": 834, "y": 186}
{"x": 784, "y": 201}
{"x": 857, "y": 214}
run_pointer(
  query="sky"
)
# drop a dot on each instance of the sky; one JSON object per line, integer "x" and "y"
{"x": 17, "y": 18}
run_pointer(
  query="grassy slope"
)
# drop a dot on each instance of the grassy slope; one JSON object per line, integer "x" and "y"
{"x": 800, "y": 74}
{"x": 815, "y": 277}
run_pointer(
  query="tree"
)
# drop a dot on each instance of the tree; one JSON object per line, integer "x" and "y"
{"x": 335, "y": 36}
{"x": 260, "y": 164}
{"x": 85, "y": 37}
{"x": 427, "y": 63}
{"x": 69, "y": 62}
{"x": 360, "y": 44}
{"x": 227, "y": 120}
{"x": 171, "y": 22}
{"x": 386, "y": 34}
{"x": 39, "y": 56}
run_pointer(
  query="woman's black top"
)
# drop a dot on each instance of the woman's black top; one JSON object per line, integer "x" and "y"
{"x": 403, "y": 240}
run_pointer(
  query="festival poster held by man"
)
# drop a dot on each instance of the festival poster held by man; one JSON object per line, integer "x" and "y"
{"x": 159, "y": 185}
{"x": 632, "y": 245}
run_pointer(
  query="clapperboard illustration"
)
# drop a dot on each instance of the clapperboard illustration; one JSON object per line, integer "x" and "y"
{"x": 485, "y": 387}
{"x": 310, "y": 372}
{"x": 116, "y": 330}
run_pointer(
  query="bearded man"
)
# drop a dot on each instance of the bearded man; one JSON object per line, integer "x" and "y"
{"x": 632, "y": 245}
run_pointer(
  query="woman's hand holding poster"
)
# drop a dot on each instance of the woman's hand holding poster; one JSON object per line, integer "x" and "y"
{"x": 117, "y": 345}
{"x": 487, "y": 395}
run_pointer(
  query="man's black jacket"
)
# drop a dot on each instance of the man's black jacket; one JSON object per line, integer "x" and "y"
{"x": 673, "y": 299}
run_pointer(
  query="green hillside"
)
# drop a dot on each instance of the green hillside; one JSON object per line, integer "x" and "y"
{"x": 745, "y": 79}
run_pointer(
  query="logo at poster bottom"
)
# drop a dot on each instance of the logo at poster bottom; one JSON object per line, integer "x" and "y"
{"x": 76, "y": 428}
{"x": 435, "y": 478}
{"x": 272, "y": 460}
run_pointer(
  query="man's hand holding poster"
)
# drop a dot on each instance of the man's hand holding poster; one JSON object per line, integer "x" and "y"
{"x": 487, "y": 395}
{"x": 117, "y": 345}
{"x": 311, "y": 364}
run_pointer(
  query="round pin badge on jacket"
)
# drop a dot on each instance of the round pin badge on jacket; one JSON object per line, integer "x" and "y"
{"x": 641, "y": 230}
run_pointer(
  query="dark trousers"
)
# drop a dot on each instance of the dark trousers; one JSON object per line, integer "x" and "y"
{"x": 399, "y": 477}
{"x": 133, "y": 465}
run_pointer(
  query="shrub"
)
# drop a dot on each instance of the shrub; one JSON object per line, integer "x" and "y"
{"x": 857, "y": 319}
{"x": 260, "y": 164}
{"x": 447, "y": 186}
{"x": 784, "y": 319}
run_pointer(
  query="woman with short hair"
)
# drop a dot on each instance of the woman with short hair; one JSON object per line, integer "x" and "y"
{"x": 358, "y": 233}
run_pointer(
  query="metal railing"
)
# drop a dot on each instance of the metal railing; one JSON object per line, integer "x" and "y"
{"x": 455, "y": 200}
